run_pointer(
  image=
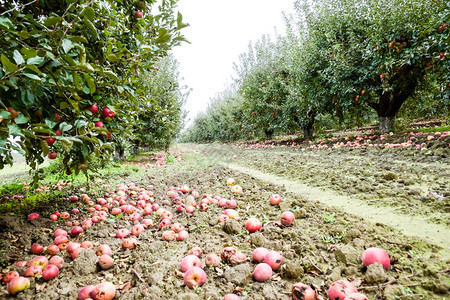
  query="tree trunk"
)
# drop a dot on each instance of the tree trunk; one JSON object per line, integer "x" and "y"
{"x": 308, "y": 132}
{"x": 387, "y": 124}
{"x": 136, "y": 148}
{"x": 268, "y": 133}
{"x": 119, "y": 153}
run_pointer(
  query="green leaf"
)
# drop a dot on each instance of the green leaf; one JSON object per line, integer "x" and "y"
{"x": 35, "y": 69}
{"x": 65, "y": 127}
{"x": 44, "y": 147}
{"x": 89, "y": 13}
{"x": 67, "y": 145}
{"x": 5, "y": 22}
{"x": 24, "y": 34}
{"x": 21, "y": 119}
{"x": 112, "y": 57}
{"x": 9, "y": 66}
{"x": 28, "y": 53}
{"x": 32, "y": 76}
{"x": 120, "y": 88}
{"x": 91, "y": 27}
{"x": 18, "y": 57}
{"x": 80, "y": 123}
{"x": 67, "y": 45}
{"x": 5, "y": 114}
{"x": 35, "y": 60}
{"x": 180, "y": 23}
{"x": 79, "y": 39}
{"x": 90, "y": 82}
{"x": 15, "y": 130}
{"x": 27, "y": 97}
{"x": 63, "y": 105}
{"x": 52, "y": 20}
{"x": 50, "y": 123}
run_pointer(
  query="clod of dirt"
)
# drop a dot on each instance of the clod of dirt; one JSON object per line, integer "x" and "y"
{"x": 240, "y": 274}
{"x": 346, "y": 254}
{"x": 232, "y": 226}
{"x": 257, "y": 239}
{"x": 390, "y": 176}
{"x": 392, "y": 292}
{"x": 293, "y": 269}
{"x": 375, "y": 274}
{"x": 301, "y": 213}
{"x": 85, "y": 263}
{"x": 156, "y": 276}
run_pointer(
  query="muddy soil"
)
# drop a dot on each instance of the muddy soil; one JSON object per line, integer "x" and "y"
{"x": 323, "y": 245}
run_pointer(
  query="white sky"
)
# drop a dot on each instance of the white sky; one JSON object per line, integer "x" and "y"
{"x": 219, "y": 31}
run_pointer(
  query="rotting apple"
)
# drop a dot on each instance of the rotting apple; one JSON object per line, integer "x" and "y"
{"x": 197, "y": 251}
{"x": 37, "y": 249}
{"x": 287, "y": 218}
{"x": 259, "y": 254}
{"x": 10, "y": 276}
{"x": 52, "y": 249}
{"x": 105, "y": 262}
{"x": 301, "y": 291}
{"x": 130, "y": 243}
{"x": 103, "y": 249}
{"x": 212, "y": 259}
{"x": 341, "y": 289}
{"x": 33, "y": 216}
{"x": 122, "y": 233}
{"x": 182, "y": 235}
{"x": 169, "y": 236}
{"x": 103, "y": 291}
{"x": 85, "y": 292}
{"x": 40, "y": 261}
{"x": 275, "y": 199}
{"x": 57, "y": 261}
{"x": 33, "y": 271}
{"x": 76, "y": 231}
{"x": 356, "y": 296}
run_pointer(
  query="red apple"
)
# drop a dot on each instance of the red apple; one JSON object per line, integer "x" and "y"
{"x": 262, "y": 272}
{"x": 231, "y": 297}
{"x": 373, "y": 254}
{"x": 87, "y": 245}
{"x": 76, "y": 231}
{"x": 99, "y": 124}
{"x": 61, "y": 239}
{"x": 103, "y": 291}
{"x": 50, "y": 141}
{"x": 85, "y": 292}
{"x": 33, "y": 271}
{"x": 60, "y": 232}
{"x": 195, "y": 276}
{"x": 36, "y": 249}
{"x": 212, "y": 260}
{"x": 18, "y": 284}
{"x": 253, "y": 225}
{"x": 52, "y": 155}
{"x": 130, "y": 243}
{"x": 139, "y": 14}
{"x": 356, "y": 296}
{"x": 33, "y": 216}
{"x": 40, "y": 261}
{"x": 275, "y": 199}
{"x": 301, "y": 291}
{"x": 137, "y": 229}
{"x": 169, "y": 236}
{"x": 103, "y": 249}
{"x": 73, "y": 198}
{"x": 287, "y": 218}
{"x": 273, "y": 259}
{"x": 10, "y": 276}
{"x": 58, "y": 131}
{"x": 57, "y": 261}
{"x": 122, "y": 233}
{"x": 52, "y": 249}
{"x": 107, "y": 113}
{"x": 259, "y": 254}
{"x": 182, "y": 235}
{"x": 197, "y": 251}
{"x": 341, "y": 289}
{"x": 50, "y": 272}
{"x": 189, "y": 262}
{"x": 93, "y": 109}
{"x": 105, "y": 262}
{"x": 177, "y": 227}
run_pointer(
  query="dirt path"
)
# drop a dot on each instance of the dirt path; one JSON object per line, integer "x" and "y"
{"x": 411, "y": 226}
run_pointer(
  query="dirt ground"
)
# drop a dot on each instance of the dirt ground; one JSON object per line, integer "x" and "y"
{"x": 323, "y": 245}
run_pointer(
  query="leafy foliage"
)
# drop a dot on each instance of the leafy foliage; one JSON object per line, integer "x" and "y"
{"x": 60, "y": 57}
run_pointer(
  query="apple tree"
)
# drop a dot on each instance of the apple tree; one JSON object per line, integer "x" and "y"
{"x": 378, "y": 51}
{"x": 63, "y": 62}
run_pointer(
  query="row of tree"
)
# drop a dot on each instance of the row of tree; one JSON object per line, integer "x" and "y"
{"x": 80, "y": 78}
{"x": 344, "y": 60}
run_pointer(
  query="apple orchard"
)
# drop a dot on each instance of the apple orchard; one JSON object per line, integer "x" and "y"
{"x": 320, "y": 172}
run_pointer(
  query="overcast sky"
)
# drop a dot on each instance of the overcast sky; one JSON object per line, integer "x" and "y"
{"x": 219, "y": 31}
